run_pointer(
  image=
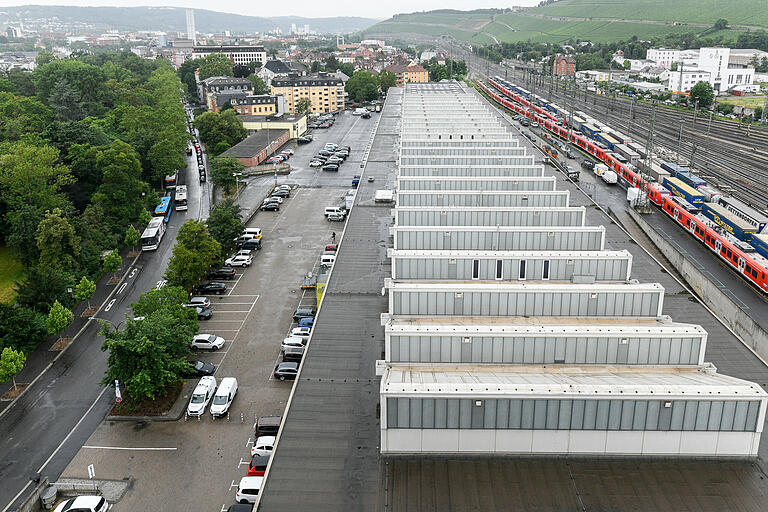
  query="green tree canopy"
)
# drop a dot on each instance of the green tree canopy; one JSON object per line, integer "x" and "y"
{"x": 59, "y": 318}
{"x": 85, "y": 290}
{"x": 65, "y": 102}
{"x": 22, "y": 232}
{"x": 194, "y": 253}
{"x": 303, "y": 106}
{"x": 169, "y": 300}
{"x": 57, "y": 242}
{"x": 41, "y": 286}
{"x": 259, "y": 87}
{"x": 214, "y": 64}
{"x": 363, "y": 86}
{"x": 387, "y": 79}
{"x": 224, "y": 224}
{"x": 32, "y": 175}
{"x": 121, "y": 191}
{"x": 132, "y": 236}
{"x": 21, "y": 328}
{"x": 11, "y": 363}
{"x": 223, "y": 172}
{"x": 87, "y": 80}
{"x": 166, "y": 158}
{"x": 112, "y": 261}
{"x": 224, "y": 126}
{"x": 21, "y": 115}
{"x": 703, "y": 93}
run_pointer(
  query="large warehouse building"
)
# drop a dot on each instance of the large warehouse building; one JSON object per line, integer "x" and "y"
{"x": 513, "y": 329}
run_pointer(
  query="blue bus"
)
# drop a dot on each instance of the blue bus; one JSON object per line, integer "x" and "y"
{"x": 164, "y": 209}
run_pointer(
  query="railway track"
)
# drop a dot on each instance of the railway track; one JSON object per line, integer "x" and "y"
{"x": 732, "y": 157}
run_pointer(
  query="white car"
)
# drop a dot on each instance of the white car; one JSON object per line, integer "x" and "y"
{"x": 238, "y": 261}
{"x": 201, "y": 396}
{"x": 243, "y": 252}
{"x": 292, "y": 342}
{"x": 263, "y": 446}
{"x": 315, "y": 163}
{"x": 207, "y": 342}
{"x": 248, "y": 490}
{"x": 84, "y": 504}
{"x": 274, "y": 199}
{"x": 283, "y": 187}
{"x": 301, "y": 332}
{"x": 200, "y": 301}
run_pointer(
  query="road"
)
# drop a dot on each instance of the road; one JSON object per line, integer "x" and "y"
{"x": 46, "y": 427}
{"x": 194, "y": 464}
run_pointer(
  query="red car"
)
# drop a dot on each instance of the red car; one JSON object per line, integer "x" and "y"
{"x": 258, "y": 465}
{"x": 331, "y": 248}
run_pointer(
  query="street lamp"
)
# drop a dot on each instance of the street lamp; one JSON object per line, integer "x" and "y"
{"x": 237, "y": 183}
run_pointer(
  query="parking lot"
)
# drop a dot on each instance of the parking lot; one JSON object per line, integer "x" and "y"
{"x": 196, "y": 463}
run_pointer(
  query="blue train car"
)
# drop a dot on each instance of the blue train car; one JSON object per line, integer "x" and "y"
{"x": 606, "y": 140}
{"x": 691, "y": 179}
{"x": 672, "y": 168}
{"x": 590, "y": 130}
{"x": 680, "y": 189}
{"x": 760, "y": 243}
{"x": 739, "y": 228}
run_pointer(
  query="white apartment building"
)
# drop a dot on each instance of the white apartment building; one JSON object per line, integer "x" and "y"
{"x": 237, "y": 54}
{"x": 724, "y": 73}
{"x": 723, "y": 68}
{"x": 664, "y": 57}
{"x": 683, "y": 81}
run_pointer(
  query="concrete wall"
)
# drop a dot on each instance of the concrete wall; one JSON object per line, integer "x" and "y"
{"x": 750, "y": 332}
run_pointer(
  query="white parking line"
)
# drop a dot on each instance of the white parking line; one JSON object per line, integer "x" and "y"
{"x": 242, "y": 462}
{"x": 148, "y": 448}
{"x": 233, "y": 484}
{"x": 223, "y": 508}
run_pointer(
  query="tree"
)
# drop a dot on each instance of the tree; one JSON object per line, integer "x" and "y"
{"x": 21, "y": 115}
{"x": 703, "y": 94}
{"x": 132, "y": 236}
{"x": 11, "y": 363}
{"x": 220, "y": 147}
{"x": 387, "y": 79}
{"x": 65, "y": 102}
{"x": 44, "y": 57}
{"x": 88, "y": 81}
{"x": 226, "y": 106}
{"x": 223, "y": 172}
{"x": 57, "y": 242}
{"x": 303, "y": 106}
{"x": 21, "y": 328}
{"x": 721, "y": 24}
{"x": 147, "y": 356}
{"x": 144, "y": 218}
{"x": 216, "y": 127}
{"x": 259, "y": 87}
{"x": 194, "y": 253}
{"x": 85, "y": 290}
{"x": 32, "y": 175}
{"x": 362, "y": 86}
{"x": 112, "y": 261}
{"x": 165, "y": 157}
{"x": 59, "y": 318}
{"x": 214, "y": 64}
{"x": 169, "y": 299}
{"x": 121, "y": 191}
{"x": 22, "y": 232}
{"x": 225, "y": 224}
{"x": 41, "y": 286}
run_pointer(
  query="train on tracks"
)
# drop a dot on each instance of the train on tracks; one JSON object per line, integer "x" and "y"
{"x": 749, "y": 260}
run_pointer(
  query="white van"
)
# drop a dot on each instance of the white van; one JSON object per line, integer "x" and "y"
{"x": 202, "y": 394}
{"x": 224, "y": 396}
{"x": 334, "y": 209}
{"x": 248, "y": 490}
{"x": 327, "y": 260}
{"x": 256, "y": 232}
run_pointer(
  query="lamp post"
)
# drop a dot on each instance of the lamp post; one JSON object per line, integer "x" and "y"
{"x": 237, "y": 183}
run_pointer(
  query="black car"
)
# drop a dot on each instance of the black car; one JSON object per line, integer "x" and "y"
{"x": 281, "y": 192}
{"x": 324, "y": 152}
{"x": 588, "y": 164}
{"x": 221, "y": 273}
{"x": 287, "y": 371}
{"x": 366, "y": 115}
{"x": 303, "y": 140}
{"x": 330, "y": 167}
{"x": 303, "y": 313}
{"x": 293, "y": 354}
{"x": 251, "y": 244}
{"x": 200, "y": 368}
{"x": 525, "y": 122}
{"x": 240, "y": 507}
{"x": 203, "y": 312}
{"x": 270, "y": 207}
{"x": 321, "y": 158}
{"x": 202, "y": 177}
{"x": 211, "y": 288}
{"x": 240, "y": 242}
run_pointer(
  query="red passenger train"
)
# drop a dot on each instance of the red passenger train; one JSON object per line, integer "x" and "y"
{"x": 751, "y": 266}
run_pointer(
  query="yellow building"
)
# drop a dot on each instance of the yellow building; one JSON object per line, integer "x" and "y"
{"x": 256, "y": 105}
{"x": 326, "y": 93}
{"x": 295, "y": 124}
{"x": 407, "y": 74}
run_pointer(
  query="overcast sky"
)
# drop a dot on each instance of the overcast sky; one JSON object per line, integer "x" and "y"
{"x": 308, "y": 8}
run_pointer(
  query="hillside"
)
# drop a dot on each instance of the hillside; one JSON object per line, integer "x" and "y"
{"x": 595, "y": 20}
{"x": 170, "y": 19}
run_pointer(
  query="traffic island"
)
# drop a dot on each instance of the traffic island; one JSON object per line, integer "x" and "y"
{"x": 171, "y": 407}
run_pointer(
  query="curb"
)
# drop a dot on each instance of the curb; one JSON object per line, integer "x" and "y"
{"x": 74, "y": 338}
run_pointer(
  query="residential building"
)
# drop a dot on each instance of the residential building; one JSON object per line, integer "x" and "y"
{"x": 237, "y": 54}
{"x": 664, "y": 57}
{"x": 296, "y": 124}
{"x": 325, "y": 92}
{"x": 213, "y": 87}
{"x": 271, "y": 69}
{"x": 682, "y": 81}
{"x": 409, "y": 73}
{"x": 256, "y": 148}
{"x": 262, "y": 104}
{"x": 564, "y": 65}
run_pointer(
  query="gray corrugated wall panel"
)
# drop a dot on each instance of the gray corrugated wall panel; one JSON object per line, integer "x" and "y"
{"x": 582, "y": 240}
{"x": 521, "y": 217}
{"x": 524, "y": 303}
{"x": 526, "y": 170}
{"x": 465, "y": 160}
{"x": 549, "y": 199}
{"x": 532, "y": 184}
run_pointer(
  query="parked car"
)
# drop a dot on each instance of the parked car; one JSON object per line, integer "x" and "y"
{"x": 201, "y": 368}
{"x": 301, "y": 332}
{"x": 341, "y": 155}
{"x": 365, "y": 115}
{"x": 202, "y": 177}
{"x": 202, "y": 312}
{"x": 303, "y": 140}
{"x": 221, "y": 273}
{"x": 315, "y": 163}
{"x": 335, "y": 160}
{"x": 224, "y": 396}
{"x": 267, "y": 426}
{"x": 272, "y": 207}
{"x": 524, "y": 121}
{"x": 331, "y": 247}
{"x": 292, "y": 342}
{"x": 307, "y": 321}
{"x": 248, "y": 489}
{"x": 84, "y": 504}
{"x": 211, "y": 288}
{"x": 263, "y": 446}
{"x": 325, "y": 152}
{"x": 286, "y": 371}
{"x": 336, "y": 217}
{"x": 258, "y": 465}
{"x": 207, "y": 342}
{"x": 284, "y": 187}
{"x": 239, "y": 261}
{"x": 303, "y": 313}
{"x": 200, "y": 301}
{"x": 355, "y": 180}
{"x": 570, "y": 154}
{"x": 588, "y": 164}
{"x": 201, "y": 396}
{"x": 331, "y": 167}
{"x": 255, "y": 232}
{"x": 294, "y": 354}
{"x": 324, "y": 125}
{"x": 281, "y": 193}
{"x": 241, "y": 507}
{"x": 274, "y": 199}
{"x": 251, "y": 244}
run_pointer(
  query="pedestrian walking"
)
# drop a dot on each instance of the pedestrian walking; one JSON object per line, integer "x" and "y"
{"x": 333, "y": 236}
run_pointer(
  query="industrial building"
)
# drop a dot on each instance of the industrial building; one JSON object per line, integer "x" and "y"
{"x": 512, "y": 328}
